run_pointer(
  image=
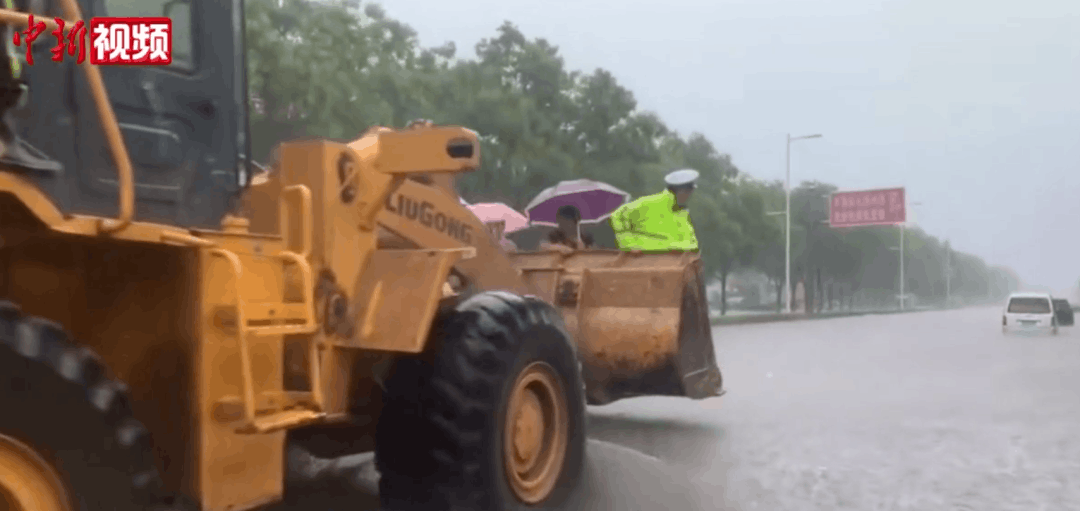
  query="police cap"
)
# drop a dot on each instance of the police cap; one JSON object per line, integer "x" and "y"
{"x": 681, "y": 178}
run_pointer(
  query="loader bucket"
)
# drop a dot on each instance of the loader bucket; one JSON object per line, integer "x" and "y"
{"x": 641, "y": 322}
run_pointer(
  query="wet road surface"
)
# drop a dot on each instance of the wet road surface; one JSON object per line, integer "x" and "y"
{"x": 924, "y": 411}
{"x": 615, "y": 478}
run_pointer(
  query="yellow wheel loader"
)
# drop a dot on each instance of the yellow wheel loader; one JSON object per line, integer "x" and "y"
{"x": 169, "y": 322}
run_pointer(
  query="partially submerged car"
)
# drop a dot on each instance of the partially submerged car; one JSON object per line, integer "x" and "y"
{"x": 1029, "y": 312}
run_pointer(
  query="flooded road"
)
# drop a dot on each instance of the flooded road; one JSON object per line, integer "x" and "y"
{"x": 923, "y": 411}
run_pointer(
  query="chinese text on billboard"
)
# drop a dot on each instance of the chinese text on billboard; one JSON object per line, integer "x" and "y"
{"x": 867, "y": 207}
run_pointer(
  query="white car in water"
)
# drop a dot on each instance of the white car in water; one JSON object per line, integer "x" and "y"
{"x": 1029, "y": 312}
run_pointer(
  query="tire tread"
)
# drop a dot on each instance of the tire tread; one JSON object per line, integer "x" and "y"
{"x": 44, "y": 354}
{"x": 434, "y": 433}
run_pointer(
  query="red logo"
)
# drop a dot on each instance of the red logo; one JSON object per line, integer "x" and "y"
{"x": 114, "y": 41}
{"x": 33, "y": 30}
{"x": 131, "y": 41}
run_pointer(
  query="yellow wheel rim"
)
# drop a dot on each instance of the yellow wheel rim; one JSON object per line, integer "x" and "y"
{"x": 27, "y": 481}
{"x": 536, "y": 433}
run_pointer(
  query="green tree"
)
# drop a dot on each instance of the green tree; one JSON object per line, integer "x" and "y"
{"x": 770, "y": 259}
{"x": 809, "y": 206}
{"x": 745, "y": 230}
{"x": 324, "y": 70}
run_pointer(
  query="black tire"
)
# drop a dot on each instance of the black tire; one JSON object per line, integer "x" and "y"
{"x": 57, "y": 398}
{"x": 440, "y": 436}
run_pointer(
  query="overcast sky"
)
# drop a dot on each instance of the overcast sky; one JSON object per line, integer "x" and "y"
{"x": 973, "y": 106}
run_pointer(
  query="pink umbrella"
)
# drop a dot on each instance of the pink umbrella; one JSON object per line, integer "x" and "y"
{"x": 499, "y": 217}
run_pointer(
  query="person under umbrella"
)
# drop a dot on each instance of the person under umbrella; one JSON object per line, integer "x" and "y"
{"x": 498, "y": 231}
{"x": 500, "y": 220}
{"x": 593, "y": 199}
{"x": 567, "y": 236}
{"x": 659, "y": 222}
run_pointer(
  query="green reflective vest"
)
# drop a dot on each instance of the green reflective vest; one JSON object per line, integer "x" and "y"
{"x": 13, "y": 56}
{"x": 651, "y": 223}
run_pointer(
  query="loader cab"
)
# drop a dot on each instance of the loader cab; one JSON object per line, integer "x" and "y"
{"x": 185, "y": 125}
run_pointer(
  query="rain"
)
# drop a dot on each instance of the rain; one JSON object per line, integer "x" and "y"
{"x": 584, "y": 255}
{"x": 891, "y": 384}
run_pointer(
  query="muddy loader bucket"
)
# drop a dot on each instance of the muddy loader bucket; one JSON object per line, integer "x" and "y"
{"x": 641, "y": 322}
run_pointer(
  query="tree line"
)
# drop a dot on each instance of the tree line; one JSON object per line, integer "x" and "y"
{"x": 333, "y": 70}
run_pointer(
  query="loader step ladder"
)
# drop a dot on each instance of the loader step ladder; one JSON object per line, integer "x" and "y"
{"x": 273, "y": 411}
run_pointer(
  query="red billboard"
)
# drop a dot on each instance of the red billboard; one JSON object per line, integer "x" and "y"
{"x": 867, "y": 207}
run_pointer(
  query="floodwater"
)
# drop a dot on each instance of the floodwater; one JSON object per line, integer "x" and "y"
{"x": 923, "y": 411}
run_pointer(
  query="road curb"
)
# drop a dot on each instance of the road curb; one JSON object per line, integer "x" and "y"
{"x": 774, "y": 318}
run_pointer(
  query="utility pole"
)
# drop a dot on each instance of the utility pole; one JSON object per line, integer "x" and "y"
{"x": 787, "y": 222}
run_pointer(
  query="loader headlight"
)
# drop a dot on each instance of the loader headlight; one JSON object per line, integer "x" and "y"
{"x": 460, "y": 149}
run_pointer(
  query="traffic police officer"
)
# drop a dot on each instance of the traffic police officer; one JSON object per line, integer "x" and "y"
{"x": 659, "y": 222}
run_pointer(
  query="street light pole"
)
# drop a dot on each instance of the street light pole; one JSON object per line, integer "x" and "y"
{"x": 787, "y": 230}
{"x": 787, "y": 222}
{"x": 900, "y": 250}
{"x": 903, "y": 258}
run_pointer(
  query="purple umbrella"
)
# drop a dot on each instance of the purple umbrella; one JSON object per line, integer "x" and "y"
{"x": 594, "y": 199}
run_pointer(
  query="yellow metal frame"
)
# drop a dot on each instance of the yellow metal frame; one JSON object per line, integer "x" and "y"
{"x": 126, "y": 178}
{"x": 307, "y": 216}
{"x": 288, "y": 418}
{"x": 393, "y": 278}
{"x": 254, "y": 413}
{"x": 247, "y": 313}
{"x": 226, "y": 444}
{"x": 122, "y": 227}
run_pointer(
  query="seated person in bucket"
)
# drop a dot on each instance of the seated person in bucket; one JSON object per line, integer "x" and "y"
{"x": 567, "y": 236}
{"x": 659, "y": 222}
{"x": 498, "y": 231}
